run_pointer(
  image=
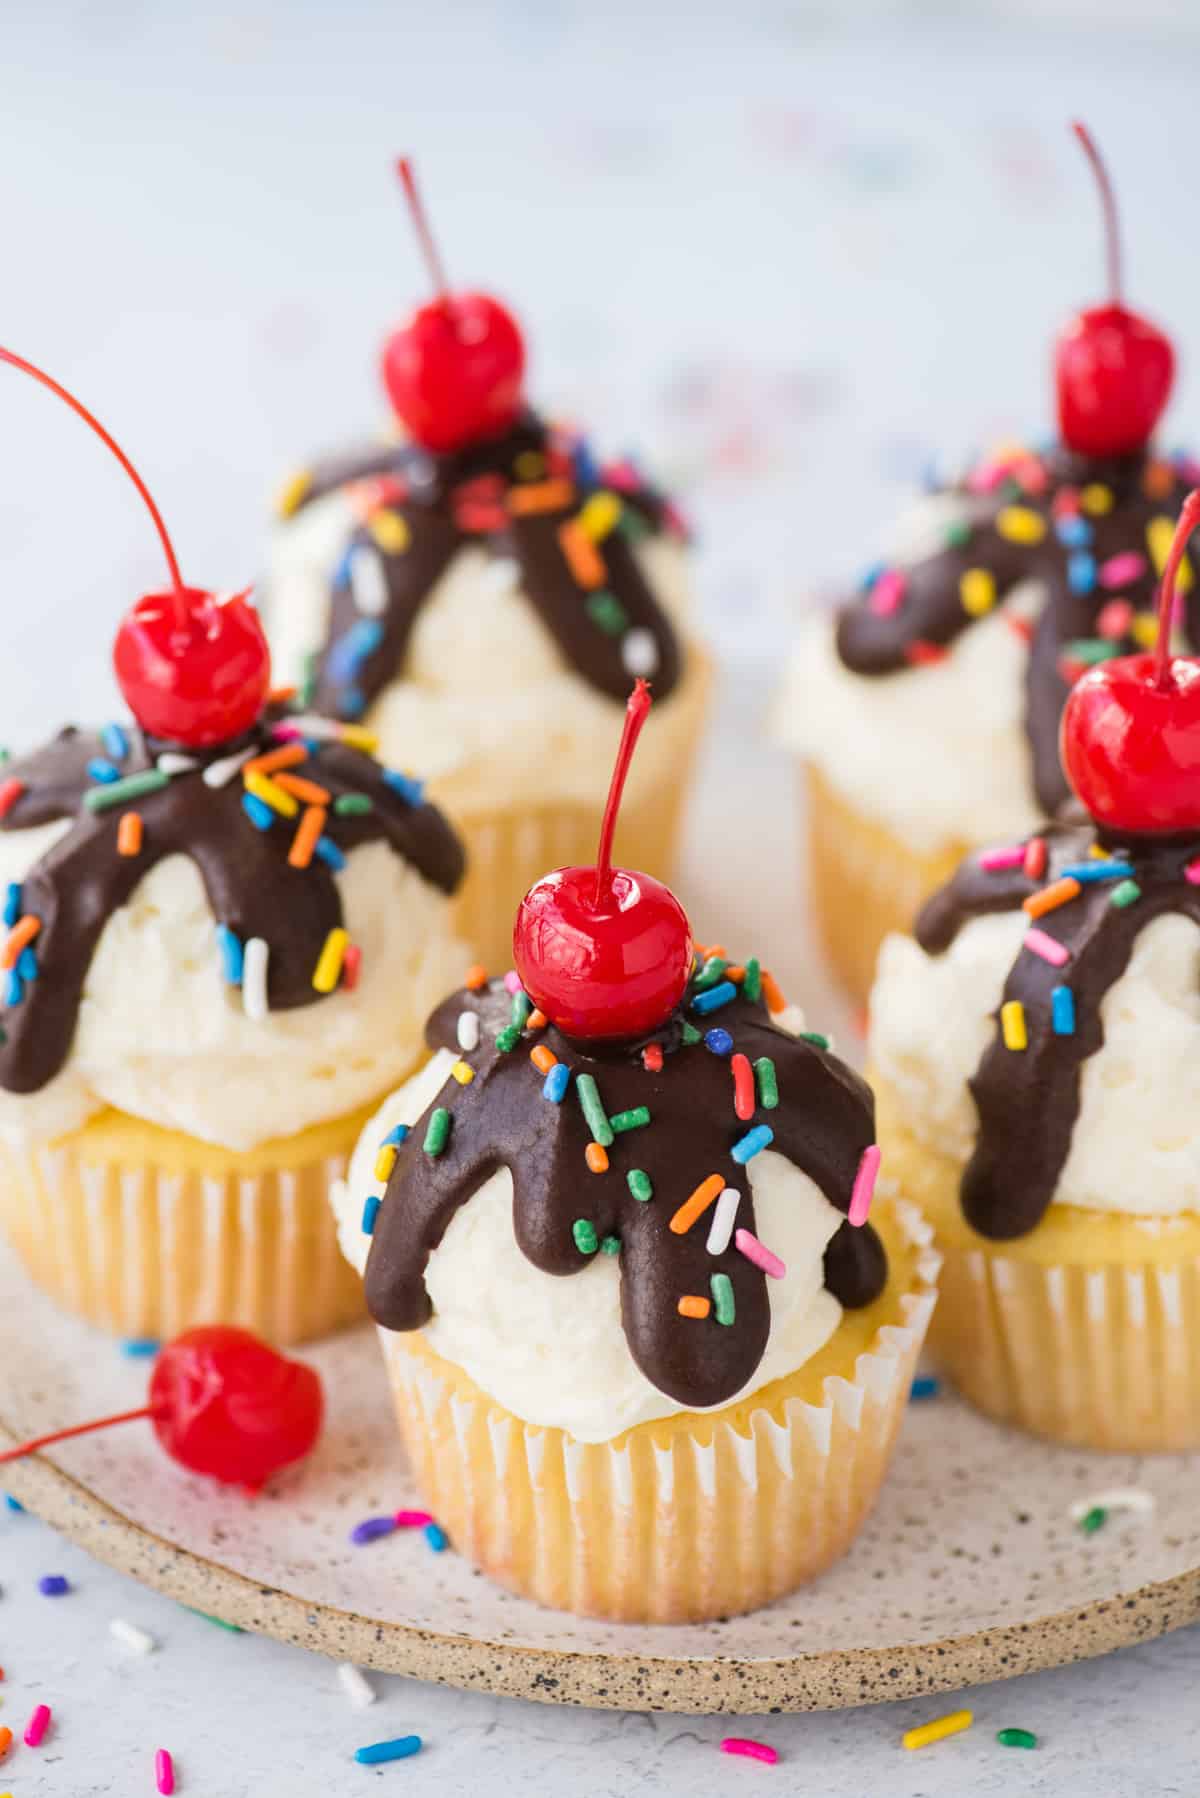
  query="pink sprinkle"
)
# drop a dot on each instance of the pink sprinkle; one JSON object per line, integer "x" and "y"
{"x": 621, "y": 475}
{"x": 37, "y": 1726}
{"x": 1020, "y": 627}
{"x": 351, "y": 964}
{"x": 412, "y": 1520}
{"x": 986, "y": 477}
{"x": 1115, "y": 619}
{"x": 1192, "y": 871}
{"x": 284, "y": 732}
{"x": 887, "y": 592}
{"x": 1065, "y": 503}
{"x": 1038, "y": 943}
{"x": 752, "y": 1751}
{"x": 993, "y": 860}
{"x": 1188, "y": 469}
{"x": 1119, "y": 570}
{"x": 864, "y": 1185}
{"x": 759, "y": 1254}
{"x": 512, "y": 982}
{"x": 164, "y": 1772}
{"x": 1031, "y": 476}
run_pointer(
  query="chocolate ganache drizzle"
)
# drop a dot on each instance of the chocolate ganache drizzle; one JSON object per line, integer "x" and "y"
{"x": 200, "y": 805}
{"x": 533, "y": 497}
{"x": 1028, "y": 1098}
{"x": 1094, "y": 533}
{"x": 671, "y": 1125}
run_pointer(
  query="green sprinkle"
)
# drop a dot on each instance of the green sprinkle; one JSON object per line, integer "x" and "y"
{"x": 752, "y": 983}
{"x": 308, "y": 679}
{"x": 709, "y": 974}
{"x": 721, "y": 1287}
{"x": 351, "y": 805}
{"x": 438, "y": 1133}
{"x": 1093, "y": 1519}
{"x": 1011, "y": 489}
{"x": 1016, "y": 1738}
{"x": 235, "y": 1629}
{"x": 690, "y": 1033}
{"x": 593, "y": 1110}
{"x": 584, "y": 1232}
{"x": 5, "y": 756}
{"x": 629, "y": 1120}
{"x": 631, "y": 524}
{"x": 958, "y": 534}
{"x": 1090, "y": 650}
{"x": 768, "y": 1085}
{"x": 815, "y": 1037}
{"x": 611, "y": 1245}
{"x": 99, "y": 799}
{"x": 639, "y": 1184}
{"x": 607, "y": 614}
{"x": 1126, "y": 892}
{"x": 522, "y": 1005}
{"x": 508, "y": 1038}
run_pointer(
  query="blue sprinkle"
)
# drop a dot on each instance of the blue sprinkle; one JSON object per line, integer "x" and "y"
{"x": 27, "y": 963}
{"x": 367, "y": 634}
{"x": 398, "y": 1135}
{"x": 140, "y": 1347}
{"x": 370, "y": 1213}
{"x": 1073, "y": 530}
{"x": 14, "y": 988}
{"x": 436, "y": 1537}
{"x": 1081, "y": 571}
{"x": 103, "y": 771}
{"x": 115, "y": 742}
{"x": 924, "y": 1386}
{"x": 352, "y": 701}
{"x": 259, "y": 814}
{"x": 750, "y": 1144}
{"x": 329, "y": 852}
{"x": 715, "y": 997}
{"x": 1097, "y": 870}
{"x": 718, "y": 1040}
{"x": 584, "y": 465}
{"x": 14, "y": 1504}
{"x": 1062, "y": 1011}
{"x": 12, "y": 903}
{"x": 341, "y": 574}
{"x": 871, "y": 575}
{"x": 556, "y": 1083}
{"x": 398, "y": 1749}
{"x": 409, "y": 789}
{"x": 53, "y": 1585}
{"x": 232, "y": 955}
{"x": 352, "y": 649}
{"x": 371, "y": 1529}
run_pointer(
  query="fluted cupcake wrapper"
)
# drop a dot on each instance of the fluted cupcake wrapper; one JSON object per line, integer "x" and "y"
{"x": 691, "y": 1517}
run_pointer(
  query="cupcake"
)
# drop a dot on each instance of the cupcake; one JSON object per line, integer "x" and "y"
{"x": 926, "y": 715}
{"x": 648, "y": 1356}
{"x": 223, "y": 935}
{"x": 480, "y": 590}
{"x": 1036, "y": 1052}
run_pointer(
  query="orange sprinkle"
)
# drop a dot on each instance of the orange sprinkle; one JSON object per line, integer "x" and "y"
{"x": 5, "y": 1742}
{"x": 771, "y": 992}
{"x": 311, "y": 824}
{"x": 705, "y": 1194}
{"x": 537, "y": 1020}
{"x": 289, "y": 756}
{"x": 22, "y": 932}
{"x": 351, "y": 963}
{"x": 542, "y": 1059}
{"x": 706, "y": 953}
{"x": 737, "y": 975}
{"x": 597, "y": 1155}
{"x": 540, "y": 496}
{"x": 692, "y": 1305}
{"x": 583, "y": 558}
{"x": 1059, "y": 892}
{"x": 129, "y": 834}
{"x": 280, "y": 695}
{"x": 475, "y": 977}
{"x": 299, "y": 788}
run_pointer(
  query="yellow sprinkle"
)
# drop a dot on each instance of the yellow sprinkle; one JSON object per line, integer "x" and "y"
{"x": 390, "y": 531}
{"x": 1160, "y": 534}
{"x": 463, "y": 1072}
{"x": 1021, "y": 524}
{"x": 385, "y": 1161}
{"x": 1144, "y": 630}
{"x": 977, "y": 590}
{"x": 329, "y": 962}
{"x": 293, "y": 493}
{"x": 530, "y": 465}
{"x": 1012, "y": 1025}
{"x": 938, "y": 1730}
{"x": 357, "y": 736}
{"x": 264, "y": 788}
{"x": 1096, "y": 499}
{"x": 599, "y": 515}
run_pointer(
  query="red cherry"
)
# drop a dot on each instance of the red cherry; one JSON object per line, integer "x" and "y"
{"x": 604, "y": 952}
{"x": 228, "y": 1405}
{"x": 454, "y": 369}
{"x": 1130, "y": 732}
{"x": 1113, "y": 369}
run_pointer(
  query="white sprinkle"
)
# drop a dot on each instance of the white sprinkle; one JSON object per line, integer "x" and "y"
{"x": 722, "y": 1224}
{"x": 639, "y": 652}
{"x": 130, "y": 1636}
{"x": 220, "y": 773}
{"x": 503, "y": 574}
{"x": 356, "y": 1686}
{"x": 170, "y": 762}
{"x": 368, "y": 582}
{"x": 468, "y": 1030}
{"x": 321, "y": 730}
{"x": 255, "y": 957}
{"x": 1121, "y": 1498}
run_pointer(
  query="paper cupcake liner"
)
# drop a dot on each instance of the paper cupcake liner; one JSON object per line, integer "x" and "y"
{"x": 866, "y": 882}
{"x": 145, "y": 1232}
{"x": 691, "y": 1517}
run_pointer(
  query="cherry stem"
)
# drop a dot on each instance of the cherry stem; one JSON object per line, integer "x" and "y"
{"x": 111, "y": 443}
{"x": 425, "y": 237}
{"x": 1189, "y": 518}
{"x": 79, "y": 1429}
{"x": 636, "y": 713}
{"x": 1112, "y": 233}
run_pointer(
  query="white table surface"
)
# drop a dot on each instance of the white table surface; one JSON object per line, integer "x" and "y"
{"x": 792, "y": 249}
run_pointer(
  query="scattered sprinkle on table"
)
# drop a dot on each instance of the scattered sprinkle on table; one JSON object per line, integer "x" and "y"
{"x": 1116, "y": 1498}
{"x": 6, "y": 1742}
{"x": 140, "y": 1347}
{"x": 749, "y": 1749}
{"x": 436, "y": 1537}
{"x": 356, "y": 1686}
{"x": 1016, "y": 1738}
{"x": 1093, "y": 1520}
{"x": 37, "y": 1726}
{"x": 399, "y": 1749}
{"x": 131, "y": 1637}
{"x": 53, "y": 1585}
{"x": 371, "y": 1529}
{"x": 927, "y": 1733}
{"x": 925, "y": 1386}
{"x": 235, "y": 1629}
{"x": 164, "y": 1772}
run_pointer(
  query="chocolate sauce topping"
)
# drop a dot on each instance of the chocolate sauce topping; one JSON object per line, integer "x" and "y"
{"x": 563, "y": 1213}
{"x": 1028, "y": 1099}
{"x": 1092, "y": 532}
{"x": 77, "y": 885}
{"x": 523, "y": 497}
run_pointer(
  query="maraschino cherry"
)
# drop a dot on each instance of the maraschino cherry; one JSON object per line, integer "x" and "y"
{"x": 1130, "y": 732}
{"x": 1112, "y": 368}
{"x": 605, "y": 952}
{"x": 222, "y": 1403}
{"x": 193, "y": 666}
{"x": 454, "y": 369}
